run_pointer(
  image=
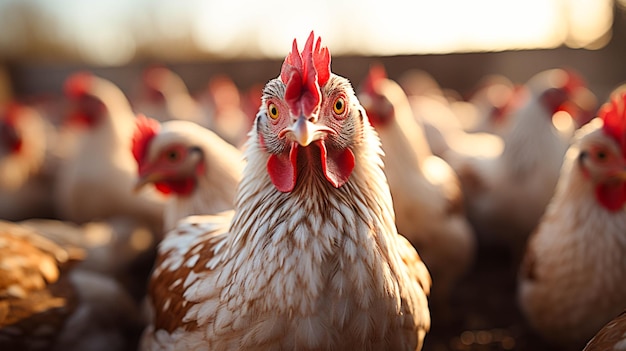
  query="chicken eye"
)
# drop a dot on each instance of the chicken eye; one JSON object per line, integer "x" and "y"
{"x": 339, "y": 106}
{"x": 172, "y": 155}
{"x": 272, "y": 110}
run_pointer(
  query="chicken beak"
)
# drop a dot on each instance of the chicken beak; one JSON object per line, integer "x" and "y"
{"x": 304, "y": 132}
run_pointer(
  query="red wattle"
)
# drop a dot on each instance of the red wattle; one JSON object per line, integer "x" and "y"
{"x": 181, "y": 187}
{"x": 336, "y": 164}
{"x": 282, "y": 169}
{"x": 612, "y": 195}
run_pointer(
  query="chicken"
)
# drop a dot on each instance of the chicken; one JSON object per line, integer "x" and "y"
{"x": 571, "y": 281}
{"x": 188, "y": 161}
{"x": 228, "y": 119}
{"x": 311, "y": 259}
{"x": 46, "y": 304}
{"x": 96, "y": 182}
{"x": 506, "y": 194}
{"x": 612, "y": 337}
{"x": 26, "y": 169}
{"x": 165, "y": 96}
{"x": 120, "y": 247}
{"x": 492, "y": 99}
{"x": 426, "y": 192}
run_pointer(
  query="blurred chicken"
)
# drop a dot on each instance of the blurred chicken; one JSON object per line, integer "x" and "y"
{"x": 311, "y": 259}
{"x": 491, "y": 100}
{"x": 97, "y": 181}
{"x": 26, "y": 164}
{"x": 227, "y": 117}
{"x": 192, "y": 164}
{"x": 45, "y": 304}
{"x": 120, "y": 247}
{"x": 612, "y": 337}
{"x": 426, "y": 193}
{"x": 573, "y": 278}
{"x": 164, "y": 96}
{"x": 506, "y": 194}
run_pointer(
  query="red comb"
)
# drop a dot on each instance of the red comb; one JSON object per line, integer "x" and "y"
{"x": 613, "y": 114}
{"x": 78, "y": 84}
{"x": 375, "y": 75}
{"x": 145, "y": 130}
{"x": 303, "y": 74}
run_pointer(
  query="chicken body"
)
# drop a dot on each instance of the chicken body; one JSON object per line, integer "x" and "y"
{"x": 426, "y": 192}
{"x": 194, "y": 166}
{"x": 26, "y": 164}
{"x": 228, "y": 119}
{"x": 506, "y": 194}
{"x": 165, "y": 97}
{"x": 572, "y": 279}
{"x": 47, "y": 305}
{"x": 96, "y": 181}
{"x": 310, "y": 258}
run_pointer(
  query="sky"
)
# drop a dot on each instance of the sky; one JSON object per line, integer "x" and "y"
{"x": 110, "y": 32}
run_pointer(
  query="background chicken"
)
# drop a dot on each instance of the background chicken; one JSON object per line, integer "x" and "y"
{"x": 312, "y": 259}
{"x": 426, "y": 193}
{"x": 227, "y": 116}
{"x": 572, "y": 278}
{"x": 27, "y": 166}
{"x": 196, "y": 167}
{"x": 507, "y": 194}
{"x": 97, "y": 180}
{"x": 165, "y": 96}
{"x": 45, "y": 304}
{"x": 120, "y": 248}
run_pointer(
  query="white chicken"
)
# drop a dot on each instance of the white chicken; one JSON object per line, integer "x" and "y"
{"x": 97, "y": 180}
{"x": 506, "y": 194}
{"x": 572, "y": 280}
{"x": 310, "y": 259}
{"x": 194, "y": 166}
{"x": 164, "y": 96}
{"x": 426, "y": 192}
{"x": 227, "y": 116}
{"x": 26, "y": 168}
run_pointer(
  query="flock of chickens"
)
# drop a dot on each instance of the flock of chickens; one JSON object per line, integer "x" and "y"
{"x": 172, "y": 222}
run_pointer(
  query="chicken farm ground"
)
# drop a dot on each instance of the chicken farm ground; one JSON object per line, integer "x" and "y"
{"x": 485, "y": 314}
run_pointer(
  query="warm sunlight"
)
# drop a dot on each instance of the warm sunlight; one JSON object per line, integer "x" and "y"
{"x": 113, "y": 32}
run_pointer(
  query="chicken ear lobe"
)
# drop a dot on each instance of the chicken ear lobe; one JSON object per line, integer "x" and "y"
{"x": 282, "y": 169}
{"x": 337, "y": 164}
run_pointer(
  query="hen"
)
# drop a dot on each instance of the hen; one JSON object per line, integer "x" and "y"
{"x": 427, "y": 197}
{"x": 165, "y": 96}
{"x": 506, "y": 194}
{"x": 311, "y": 259}
{"x": 227, "y": 116}
{"x": 96, "y": 181}
{"x": 195, "y": 166}
{"x": 46, "y": 304}
{"x": 26, "y": 163}
{"x": 572, "y": 279}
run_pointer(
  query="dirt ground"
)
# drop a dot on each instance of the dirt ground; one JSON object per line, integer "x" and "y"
{"x": 484, "y": 312}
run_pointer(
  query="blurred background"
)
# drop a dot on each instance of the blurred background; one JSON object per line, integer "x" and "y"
{"x": 457, "y": 41}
